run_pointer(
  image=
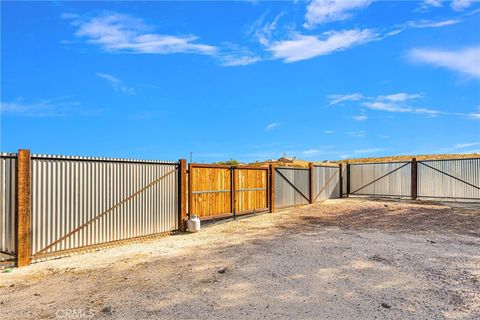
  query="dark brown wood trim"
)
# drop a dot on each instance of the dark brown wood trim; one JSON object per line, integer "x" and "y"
{"x": 340, "y": 181}
{"x": 311, "y": 182}
{"x": 182, "y": 195}
{"x": 271, "y": 193}
{"x": 190, "y": 196}
{"x": 414, "y": 178}
{"x": 23, "y": 210}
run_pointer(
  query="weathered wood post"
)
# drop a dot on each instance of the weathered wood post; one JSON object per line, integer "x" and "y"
{"x": 233, "y": 192}
{"x": 348, "y": 179}
{"x": 182, "y": 195}
{"x": 310, "y": 181}
{"x": 340, "y": 181}
{"x": 190, "y": 195}
{"x": 271, "y": 197}
{"x": 414, "y": 179}
{"x": 23, "y": 210}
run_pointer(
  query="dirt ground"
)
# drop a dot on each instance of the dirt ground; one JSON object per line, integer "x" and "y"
{"x": 341, "y": 259}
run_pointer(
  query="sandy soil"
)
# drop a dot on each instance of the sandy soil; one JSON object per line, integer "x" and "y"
{"x": 342, "y": 259}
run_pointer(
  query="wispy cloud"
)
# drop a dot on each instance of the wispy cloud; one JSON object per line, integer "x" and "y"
{"x": 310, "y": 152}
{"x": 328, "y": 132}
{"x": 465, "y": 61}
{"x": 357, "y": 134}
{"x": 457, "y": 5}
{"x": 57, "y": 107}
{"x": 121, "y": 33}
{"x": 337, "y": 98}
{"x": 361, "y": 117}
{"x": 116, "y": 32}
{"x": 116, "y": 84}
{"x": 367, "y": 150}
{"x": 271, "y": 126}
{"x": 398, "y": 102}
{"x": 466, "y": 145}
{"x": 323, "y": 11}
{"x": 301, "y": 47}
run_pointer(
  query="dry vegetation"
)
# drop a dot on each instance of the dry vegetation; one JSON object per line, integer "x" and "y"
{"x": 304, "y": 164}
{"x": 341, "y": 259}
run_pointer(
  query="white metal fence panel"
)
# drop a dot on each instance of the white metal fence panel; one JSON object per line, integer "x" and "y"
{"x": 8, "y": 165}
{"x": 326, "y": 182}
{"x": 285, "y": 193}
{"x": 80, "y": 202}
{"x": 457, "y": 179}
{"x": 391, "y": 179}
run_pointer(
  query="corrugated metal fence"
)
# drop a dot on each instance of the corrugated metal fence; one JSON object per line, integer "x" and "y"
{"x": 326, "y": 182}
{"x": 81, "y": 202}
{"x": 8, "y": 164}
{"x": 446, "y": 180}
{"x": 291, "y": 186}
{"x": 453, "y": 179}
{"x": 390, "y": 179}
{"x": 78, "y": 203}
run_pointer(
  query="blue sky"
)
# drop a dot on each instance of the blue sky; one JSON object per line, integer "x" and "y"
{"x": 246, "y": 80}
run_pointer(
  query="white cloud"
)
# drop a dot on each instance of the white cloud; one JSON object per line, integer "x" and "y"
{"x": 361, "y": 117}
{"x": 302, "y": 47}
{"x": 466, "y": 145}
{"x": 323, "y": 11}
{"x": 262, "y": 30}
{"x": 310, "y": 152}
{"x": 400, "y": 97}
{"x": 459, "y": 5}
{"x": 328, "y": 132}
{"x": 337, "y": 98}
{"x": 474, "y": 115}
{"x": 465, "y": 61}
{"x": 431, "y": 24}
{"x": 57, "y": 107}
{"x": 386, "y": 106}
{"x": 233, "y": 60}
{"x": 369, "y": 150}
{"x": 122, "y": 33}
{"x": 398, "y": 102}
{"x": 116, "y": 84}
{"x": 357, "y": 134}
{"x": 271, "y": 126}
{"x": 433, "y": 3}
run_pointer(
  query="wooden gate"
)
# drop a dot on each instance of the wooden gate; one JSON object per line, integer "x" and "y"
{"x": 222, "y": 191}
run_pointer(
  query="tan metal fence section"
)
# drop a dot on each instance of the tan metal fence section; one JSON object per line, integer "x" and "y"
{"x": 292, "y": 186}
{"x": 452, "y": 179}
{"x": 326, "y": 181}
{"x": 384, "y": 179}
{"x": 82, "y": 202}
{"x": 8, "y": 164}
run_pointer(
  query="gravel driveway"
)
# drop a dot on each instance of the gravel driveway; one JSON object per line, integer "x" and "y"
{"x": 340, "y": 259}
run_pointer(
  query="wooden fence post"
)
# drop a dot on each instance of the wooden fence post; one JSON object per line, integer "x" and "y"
{"x": 271, "y": 197}
{"x": 348, "y": 179}
{"x": 414, "y": 179}
{"x": 340, "y": 181}
{"x": 310, "y": 183}
{"x": 182, "y": 195}
{"x": 232, "y": 192}
{"x": 22, "y": 237}
{"x": 190, "y": 183}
